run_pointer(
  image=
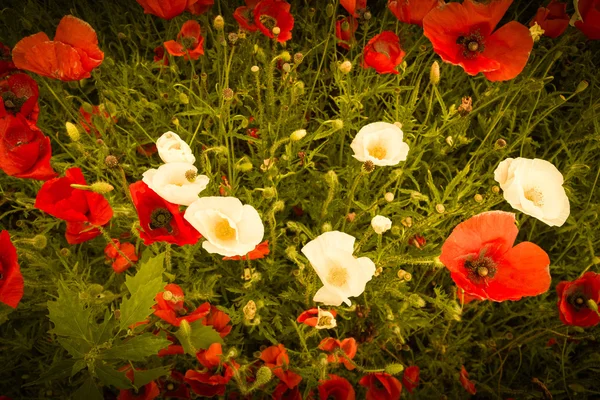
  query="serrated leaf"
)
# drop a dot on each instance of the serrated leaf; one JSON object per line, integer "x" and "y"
{"x": 88, "y": 391}
{"x": 137, "y": 348}
{"x": 105, "y": 329}
{"x": 141, "y": 378}
{"x": 58, "y": 371}
{"x": 75, "y": 347}
{"x": 78, "y": 366}
{"x": 201, "y": 337}
{"x": 143, "y": 288}
{"x": 110, "y": 376}
{"x": 69, "y": 315}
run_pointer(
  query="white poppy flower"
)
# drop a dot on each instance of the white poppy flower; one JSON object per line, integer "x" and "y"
{"x": 380, "y": 143}
{"x": 229, "y": 227}
{"x": 176, "y": 182}
{"x": 381, "y": 224}
{"x": 171, "y": 148}
{"x": 342, "y": 274}
{"x": 325, "y": 320}
{"x": 535, "y": 188}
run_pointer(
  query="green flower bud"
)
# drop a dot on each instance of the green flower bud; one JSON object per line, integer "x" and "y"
{"x": 394, "y": 369}
{"x": 263, "y": 376}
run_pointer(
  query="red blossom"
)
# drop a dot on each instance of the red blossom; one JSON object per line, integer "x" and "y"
{"x": 310, "y": 317}
{"x": 277, "y": 359}
{"x": 482, "y": 261}
{"x": 354, "y": 7}
{"x": 410, "y": 378}
{"x": 348, "y": 346}
{"x": 174, "y": 386}
{"x": 19, "y": 96}
{"x": 412, "y": 11}
{"x": 274, "y": 13}
{"x": 465, "y": 382}
{"x": 24, "y": 150}
{"x": 573, "y": 298}
{"x": 260, "y": 251}
{"x": 122, "y": 254}
{"x": 149, "y": 391}
{"x": 417, "y": 241}
{"x": 553, "y": 19}
{"x": 211, "y": 357}
{"x": 336, "y": 388}
{"x": 6, "y": 63}
{"x": 344, "y": 31}
{"x": 244, "y": 15}
{"x": 283, "y": 392}
{"x": 160, "y": 220}
{"x": 463, "y": 34}
{"x": 383, "y": 53}
{"x": 381, "y": 386}
{"x": 11, "y": 280}
{"x": 208, "y": 383}
{"x": 83, "y": 210}
{"x": 589, "y": 25}
{"x": 87, "y": 118}
{"x": 71, "y": 56}
{"x": 171, "y": 350}
{"x": 165, "y": 9}
{"x": 190, "y": 42}
{"x": 218, "y": 320}
{"x": 200, "y": 6}
{"x": 169, "y": 306}
{"x": 160, "y": 56}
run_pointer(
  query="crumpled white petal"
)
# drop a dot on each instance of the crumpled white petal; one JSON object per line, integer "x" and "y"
{"x": 381, "y": 224}
{"x": 381, "y": 143}
{"x": 170, "y": 181}
{"x": 171, "y": 148}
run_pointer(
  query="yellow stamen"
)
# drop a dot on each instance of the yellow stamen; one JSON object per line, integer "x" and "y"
{"x": 378, "y": 151}
{"x": 224, "y": 231}
{"x": 337, "y": 276}
{"x": 535, "y": 195}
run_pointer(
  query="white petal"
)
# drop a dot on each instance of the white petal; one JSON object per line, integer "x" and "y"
{"x": 250, "y": 227}
{"x": 381, "y": 224}
{"x": 330, "y": 298}
{"x": 230, "y": 206}
{"x": 357, "y": 146}
{"x": 501, "y": 172}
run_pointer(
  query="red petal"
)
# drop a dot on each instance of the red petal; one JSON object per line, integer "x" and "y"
{"x": 490, "y": 13}
{"x": 191, "y": 29}
{"x": 174, "y": 48}
{"x": 80, "y": 35}
{"x": 11, "y": 284}
{"x": 510, "y": 46}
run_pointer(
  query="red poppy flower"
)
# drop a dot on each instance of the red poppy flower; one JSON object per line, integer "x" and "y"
{"x": 160, "y": 55}
{"x": 244, "y": 15}
{"x": 87, "y": 118}
{"x": 71, "y": 56}
{"x": 171, "y": 350}
{"x": 551, "y": 342}
{"x": 6, "y": 63}
{"x": 573, "y": 298}
{"x": 283, "y": 392}
{"x": 149, "y": 391}
{"x": 383, "y": 52}
{"x": 189, "y": 42}
{"x": 354, "y": 7}
{"x": 483, "y": 262}
{"x": 348, "y": 346}
{"x": 412, "y": 11}
{"x": 589, "y": 24}
{"x": 336, "y": 388}
{"x": 160, "y": 220}
{"x": 165, "y": 9}
{"x": 465, "y": 382}
{"x": 123, "y": 259}
{"x": 381, "y": 386}
{"x": 169, "y": 306}
{"x": 19, "y": 96}
{"x": 553, "y": 19}
{"x": 269, "y": 14}
{"x": 174, "y": 386}
{"x": 260, "y": 251}
{"x": 410, "y": 378}
{"x": 344, "y": 31}
{"x": 209, "y": 383}
{"x": 211, "y": 357}
{"x": 11, "y": 280}
{"x": 310, "y": 317}
{"x": 200, "y": 6}
{"x": 463, "y": 34}
{"x": 83, "y": 210}
{"x": 277, "y": 359}
{"x": 218, "y": 320}
{"x": 24, "y": 150}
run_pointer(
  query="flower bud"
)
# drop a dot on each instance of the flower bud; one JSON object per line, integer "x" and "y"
{"x": 345, "y": 67}
{"x": 389, "y": 197}
{"x": 298, "y": 57}
{"x": 111, "y": 161}
{"x": 101, "y": 187}
{"x": 434, "y": 74}
{"x": 582, "y": 86}
{"x": 285, "y": 56}
{"x": 184, "y": 98}
{"x": 269, "y": 193}
{"x": 337, "y": 124}
{"x": 232, "y": 37}
{"x": 394, "y": 369}
{"x": 276, "y": 30}
{"x": 298, "y": 135}
{"x": 219, "y": 23}
{"x": 329, "y": 10}
{"x": 228, "y": 94}
{"x": 72, "y": 131}
{"x": 255, "y": 69}
{"x": 367, "y": 16}
{"x": 326, "y": 227}
{"x": 263, "y": 376}
{"x": 286, "y": 67}
{"x": 478, "y": 198}
{"x": 592, "y": 305}
{"x": 440, "y": 208}
{"x": 500, "y": 144}
{"x": 245, "y": 166}
{"x": 495, "y": 189}
{"x": 39, "y": 241}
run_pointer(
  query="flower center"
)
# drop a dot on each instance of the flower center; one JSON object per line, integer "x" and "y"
{"x": 337, "y": 276}
{"x": 12, "y": 103}
{"x": 324, "y": 321}
{"x": 578, "y": 300}
{"x": 268, "y": 21}
{"x": 191, "y": 175}
{"x": 480, "y": 269}
{"x": 170, "y": 386}
{"x": 535, "y": 195}
{"x": 378, "y": 151}
{"x": 224, "y": 231}
{"x": 188, "y": 42}
{"x": 472, "y": 44}
{"x": 160, "y": 218}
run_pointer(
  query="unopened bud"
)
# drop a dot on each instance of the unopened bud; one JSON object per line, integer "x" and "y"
{"x": 582, "y": 86}
{"x": 185, "y": 328}
{"x": 298, "y": 135}
{"x": 219, "y": 23}
{"x": 389, "y": 197}
{"x": 285, "y": 55}
{"x": 244, "y": 167}
{"x": 592, "y": 305}
{"x": 394, "y": 369}
{"x": 286, "y": 67}
{"x": 276, "y": 30}
{"x": 228, "y": 94}
{"x": 367, "y": 16}
{"x": 263, "y": 376}
{"x": 337, "y": 124}
{"x": 101, "y": 187}
{"x": 111, "y": 161}
{"x": 269, "y": 193}
{"x": 255, "y": 69}
{"x": 440, "y": 208}
{"x": 434, "y": 74}
{"x": 298, "y": 57}
{"x": 478, "y": 198}
{"x": 345, "y": 67}
{"x": 329, "y": 10}
{"x": 73, "y": 131}
{"x": 39, "y": 241}
{"x": 500, "y": 144}
{"x": 184, "y": 98}
{"x": 495, "y": 189}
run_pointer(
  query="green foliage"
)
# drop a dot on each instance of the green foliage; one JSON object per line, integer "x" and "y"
{"x": 197, "y": 337}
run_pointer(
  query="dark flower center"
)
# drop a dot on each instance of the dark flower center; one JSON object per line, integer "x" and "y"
{"x": 480, "y": 269}
{"x": 268, "y": 21}
{"x": 12, "y": 103}
{"x": 160, "y": 218}
{"x": 189, "y": 43}
{"x": 472, "y": 44}
{"x": 578, "y": 300}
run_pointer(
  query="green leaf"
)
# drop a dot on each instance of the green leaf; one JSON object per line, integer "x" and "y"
{"x": 105, "y": 329}
{"x": 143, "y": 288}
{"x": 141, "y": 378}
{"x": 69, "y": 316}
{"x": 200, "y": 337}
{"x": 75, "y": 347}
{"x": 110, "y": 376}
{"x": 88, "y": 391}
{"x": 78, "y": 366}
{"x": 60, "y": 370}
{"x": 137, "y": 348}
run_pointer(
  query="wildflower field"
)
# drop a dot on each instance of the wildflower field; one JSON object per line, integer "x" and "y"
{"x": 271, "y": 199}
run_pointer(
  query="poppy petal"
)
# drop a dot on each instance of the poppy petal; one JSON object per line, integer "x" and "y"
{"x": 174, "y": 48}
{"x": 510, "y": 46}
{"x": 490, "y": 12}
{"x": 79, "y": 34}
